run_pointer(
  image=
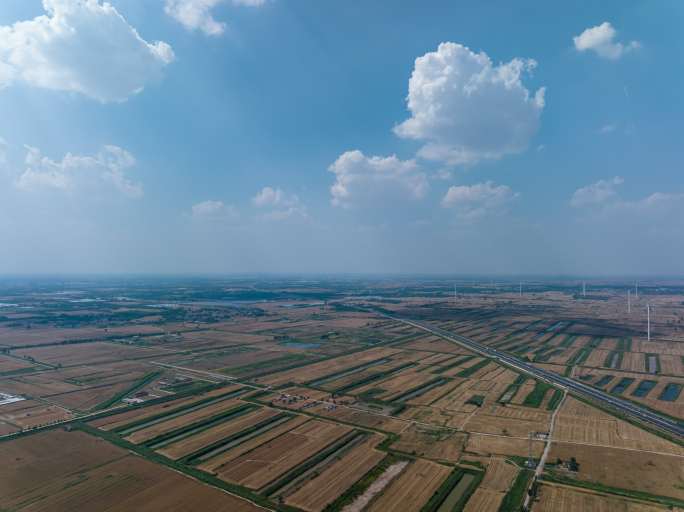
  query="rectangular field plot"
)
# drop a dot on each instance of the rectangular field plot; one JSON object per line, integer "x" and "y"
{"x": 14, "y": 366}
{"x": 661, "y": 475}
{"x": 413, "y": 488}
{"x": 261, "y": 466}
{"x": 88, "y": 353}
{"x": 213, "y": 439}
{"x": 431, "y": 442}
{"x": 59, "y": 471}
{"x": 330, "y": 368}
{"x": 553, "y": 498}
{"x": 579, "y": 423}
{"x": 140, "y": 417}
{"x": 328, "y": 481}
{"x": 31, "y": 413}
{"x": 156, "y": 435}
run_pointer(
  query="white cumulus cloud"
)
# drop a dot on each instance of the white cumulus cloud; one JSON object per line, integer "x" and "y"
{"x": 597, "y": 193}
{"x": 74, "y": 172}
{"x": 360, "y": 179}
{"x": 601, "y": 40}
{"x": 197, "y": 15}
{"x": 82, "y": 46}
{"x": 280, "y": 205}
{"x": 467, "y": 109}
{"x": 479, "y": 200}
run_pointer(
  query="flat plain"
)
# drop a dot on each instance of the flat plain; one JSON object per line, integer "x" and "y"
{"x": 290, "y": 395}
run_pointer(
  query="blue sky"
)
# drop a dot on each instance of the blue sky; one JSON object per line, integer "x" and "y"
{"x": 286, "y": 135}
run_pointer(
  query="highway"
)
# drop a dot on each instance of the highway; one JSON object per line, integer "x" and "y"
{"x": 578, "y": 388}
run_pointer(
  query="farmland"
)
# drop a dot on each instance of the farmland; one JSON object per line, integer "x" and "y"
{"x": 316, "y": 400}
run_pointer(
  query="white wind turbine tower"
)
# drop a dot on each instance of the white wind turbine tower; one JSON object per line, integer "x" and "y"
{"x": 520, "y": 289}
{"x": 629, "y": 301}
{"x": 648, "y": 320}
{"x": 636, "y": 289}
{"x": 584, "y": 288}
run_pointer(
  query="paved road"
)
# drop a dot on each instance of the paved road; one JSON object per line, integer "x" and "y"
{"x": 623, "y": 406}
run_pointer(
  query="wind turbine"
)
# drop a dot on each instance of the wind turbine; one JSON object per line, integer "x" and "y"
{"x": 648, "y": 320}
{"x": 629, "y": 301}
{"x": 584, "y": 288}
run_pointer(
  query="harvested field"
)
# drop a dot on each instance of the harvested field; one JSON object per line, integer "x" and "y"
{"x": 262, "y": 465}
{"x": 328, "y": 367}
{"x": 413, "y": 488}
{"x": 147, "y": 433}
{"x": 11, "y": 365}
{"x": 191, "y": 444}
{"x": 224, "y": 459}
{"x": 336, "y": 479}
{"x": 116, "y": 421}
{"x": 484, "y": 500}
{"x": 65, "y": 471}
{"x": 375, "y": 488}
{"x": 510, "y": 420}
{"x": 580, "y": 423}
{"x": 88, "y": 353}
{"x": 361, "y": 418}
{"x": 555, "y": 498}
{"x": 498, "y": 478}
{"x": 431, "y": 443}
{"x": 499, "y": 445}
{"x": 647, "y": 472}
{"x": 43, "y": 335}
{"x": 499, "y": 475}
{"x": 31, "y": 413}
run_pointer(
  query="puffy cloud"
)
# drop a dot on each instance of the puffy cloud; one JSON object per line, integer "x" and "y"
{"x": 597, "y": 193}
{"x": 81, "y": 46}
{"x": 196, "y": 14}
{"x": 601, "y": 40}
{"x": 608, "y": 128}
{"x": 75, "y": 171}
{"x": 269, "y": 196}
{"x": 280, "y": 204}
{"x": 479, "y": 200}
{"x": 466, "y": 109}
{"x": 360, "y": 179}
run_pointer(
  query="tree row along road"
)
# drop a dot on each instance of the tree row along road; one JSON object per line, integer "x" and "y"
{"x": 578, "y": 388}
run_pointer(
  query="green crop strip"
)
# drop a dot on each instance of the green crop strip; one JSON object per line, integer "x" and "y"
{"x": 444, "y": 490}
{"x": 469, "y": 371}
{"x": 513, "y": 500}
{"x": 536, "y": 396}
